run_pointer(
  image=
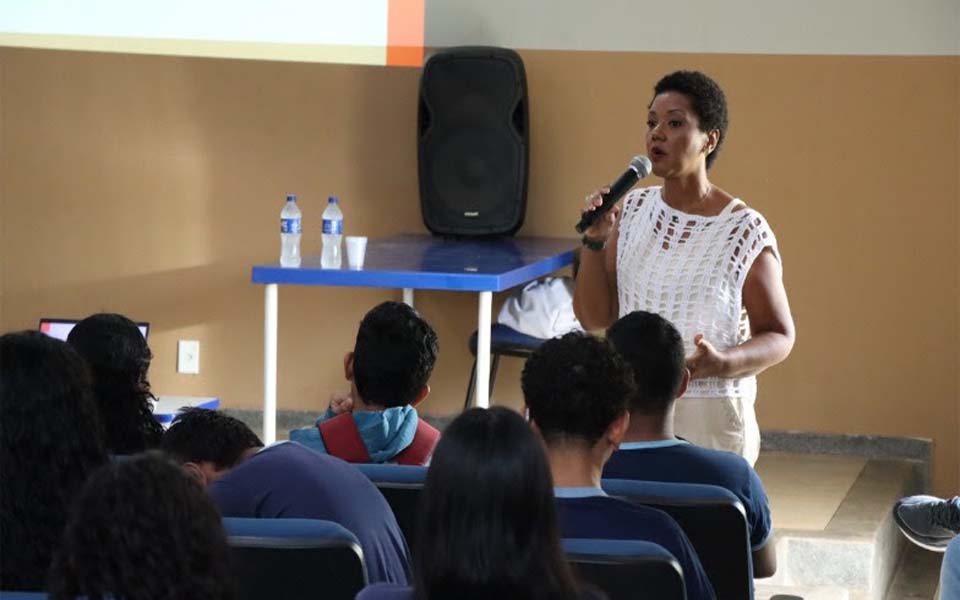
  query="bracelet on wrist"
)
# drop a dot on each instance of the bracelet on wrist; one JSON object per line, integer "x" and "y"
{"x": 593, "y": 243}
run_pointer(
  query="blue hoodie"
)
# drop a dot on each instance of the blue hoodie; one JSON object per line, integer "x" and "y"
{"x": 385, "y": 433}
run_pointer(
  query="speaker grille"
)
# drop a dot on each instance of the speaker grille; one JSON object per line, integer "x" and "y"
{"x": 473, "y": 144}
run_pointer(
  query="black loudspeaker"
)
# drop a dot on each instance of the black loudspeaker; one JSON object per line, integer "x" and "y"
{"x": 473, "y": 142}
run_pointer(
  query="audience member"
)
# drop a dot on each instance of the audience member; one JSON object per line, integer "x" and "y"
{"x": 950, "y": 571}
{"x": 142, "y": 529}
{"x": 576, "y": 389}
{"x": 119, "y": 358}
{"x": 488, "y": 526}
{"x": 50, "y": 440}
{"x": 287, "y": 480}
{"x": 388, "y": 371}
{"x": 650, "y": 451}
{"x": 928, "y": 521}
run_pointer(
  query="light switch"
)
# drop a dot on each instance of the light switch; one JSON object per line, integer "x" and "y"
{"x": 188, "y": 357}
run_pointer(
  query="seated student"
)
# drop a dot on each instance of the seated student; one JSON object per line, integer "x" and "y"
{"x": 50, "y": 441}
{"x": 928, "y": 521}
{"x": 576, "y": 389}
{"x": 142, "y": 529}
{"x": 388, "y": 371}
{"x": 488, "y": 523}
{"x": 651, "y": 452}
{"x": 118, "y": 357}
{"x": 287, "y": 480}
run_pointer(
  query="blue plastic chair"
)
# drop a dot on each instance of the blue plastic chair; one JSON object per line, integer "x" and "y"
{"x": 504, "y": 341}
{"x": 295, "y": 559}
{"x": 713, "y": 519}
{"x": 401, "y": 485}
{"x": 386, "y": 591}
{"x": 627, "y": 569}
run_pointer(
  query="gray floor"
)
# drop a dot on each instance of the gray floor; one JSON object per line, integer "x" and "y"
{"x": 917, "y": 575}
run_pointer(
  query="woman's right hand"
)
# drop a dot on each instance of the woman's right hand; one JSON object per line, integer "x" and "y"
{"x": 602, "y": 228}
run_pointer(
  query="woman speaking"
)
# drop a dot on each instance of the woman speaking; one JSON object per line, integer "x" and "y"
{"x": 700, "y": 258}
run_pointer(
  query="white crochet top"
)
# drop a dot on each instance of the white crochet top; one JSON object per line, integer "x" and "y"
{"x": 690, "y": 269}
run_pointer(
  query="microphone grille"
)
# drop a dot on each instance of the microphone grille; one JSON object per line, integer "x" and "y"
{"x": 642, "y": 165}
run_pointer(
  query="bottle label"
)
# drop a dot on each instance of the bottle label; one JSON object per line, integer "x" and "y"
{"x": 332, "y": 226}
{"x": 289, "y": 225}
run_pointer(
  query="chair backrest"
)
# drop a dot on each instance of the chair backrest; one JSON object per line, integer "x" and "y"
{"x": 295, "y": 559}
{"x": 713, "y": 519}
{"x": 508, "y": 341}
{"x": 627, "y": 569}
{"x": 401, "y": 485}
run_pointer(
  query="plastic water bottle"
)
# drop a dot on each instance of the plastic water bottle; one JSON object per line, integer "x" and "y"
{"x": 290, "y": 227}
{"x": 330, "y": 257}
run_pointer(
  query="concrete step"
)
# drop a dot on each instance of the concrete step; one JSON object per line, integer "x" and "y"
{"x": 780, "y": 592}
{"x": 834, "y": 532}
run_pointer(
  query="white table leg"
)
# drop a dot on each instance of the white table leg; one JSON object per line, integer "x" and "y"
{"x": 482, "y": 395}
{"x": 270, "y": 364}
{"x": 408, "y": 297}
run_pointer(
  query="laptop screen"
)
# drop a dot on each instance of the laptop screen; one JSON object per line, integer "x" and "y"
{"x": 60, "y": 328}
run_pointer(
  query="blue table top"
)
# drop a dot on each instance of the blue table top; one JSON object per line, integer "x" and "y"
{"x": 432, "y": 263}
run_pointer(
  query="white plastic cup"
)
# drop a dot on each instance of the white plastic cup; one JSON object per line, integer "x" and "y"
{"x": 356, "y": 250}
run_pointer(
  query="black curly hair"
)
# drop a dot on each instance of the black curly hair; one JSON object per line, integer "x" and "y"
{"x": 142, "y": 529}
{"x": 654, "y": 349}
{"x": 50, "y": 440}
{"x": 394, "y": 355}
{"x": 575, "y": 386}
{"x": 706, "y": 99}
{"x": 119, "y": 357}
{"x": 199, "y": 435}
{"x": 488, "y": 522}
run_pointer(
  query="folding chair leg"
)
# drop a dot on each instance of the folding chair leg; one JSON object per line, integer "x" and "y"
{"x": 494, "y": 363}
{"x": 470, "y": 386}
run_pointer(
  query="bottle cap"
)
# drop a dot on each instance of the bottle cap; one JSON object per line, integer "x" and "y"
{"x": 332, "y": 200}
{"x": 291, "y": 197}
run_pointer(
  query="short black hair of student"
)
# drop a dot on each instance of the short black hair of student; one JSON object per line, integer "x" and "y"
{"x": 200, "y": 435}
{"x": 706, "y": 99}
{"x": 575, "y": 386}
{"x": 488, "y": 522}
{"x": 394, "y": 355}
{"x": 142, "y": 528}
{"x": 654, "y": 349}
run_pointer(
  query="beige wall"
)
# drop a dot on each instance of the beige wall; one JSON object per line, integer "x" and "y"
{"x": 150, "y": 185}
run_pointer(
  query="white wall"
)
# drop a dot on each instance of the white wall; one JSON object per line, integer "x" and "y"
{"x": 883, "y": 27}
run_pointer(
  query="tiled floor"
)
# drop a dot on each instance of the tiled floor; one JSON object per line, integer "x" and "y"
{"x": 805, "y": 490}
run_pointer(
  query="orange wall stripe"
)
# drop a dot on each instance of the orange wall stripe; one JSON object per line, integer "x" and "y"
{"x": 405, "y": 33}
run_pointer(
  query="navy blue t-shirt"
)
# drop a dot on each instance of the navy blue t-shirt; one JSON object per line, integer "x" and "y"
{"x": 288, "y": 480}
{"x": 676, "y": 461}
{"x": 599, "y": 516}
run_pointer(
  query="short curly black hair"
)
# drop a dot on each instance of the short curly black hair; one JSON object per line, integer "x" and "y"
{"x": 50, "y": 442}
{"x": 575, "y": 386}
{"x": 654, "y": 349}
{"x": 394, "y": 355}
{"x": 119, "y": 358}
{"x": 199, "y": 435}
{"x": 706, "y": 98}
{"x": 142, "y": 529}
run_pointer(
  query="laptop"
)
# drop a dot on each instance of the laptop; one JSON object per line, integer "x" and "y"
{"x": 60, "y": 328}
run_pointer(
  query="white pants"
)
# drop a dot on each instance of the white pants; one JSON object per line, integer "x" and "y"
{"x": 721, "y": 423}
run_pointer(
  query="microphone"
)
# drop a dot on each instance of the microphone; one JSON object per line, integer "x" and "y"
{"x": 638, "y": 168}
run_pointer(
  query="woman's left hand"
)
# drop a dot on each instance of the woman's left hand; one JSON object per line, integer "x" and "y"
{"x": 706, "y": 360}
